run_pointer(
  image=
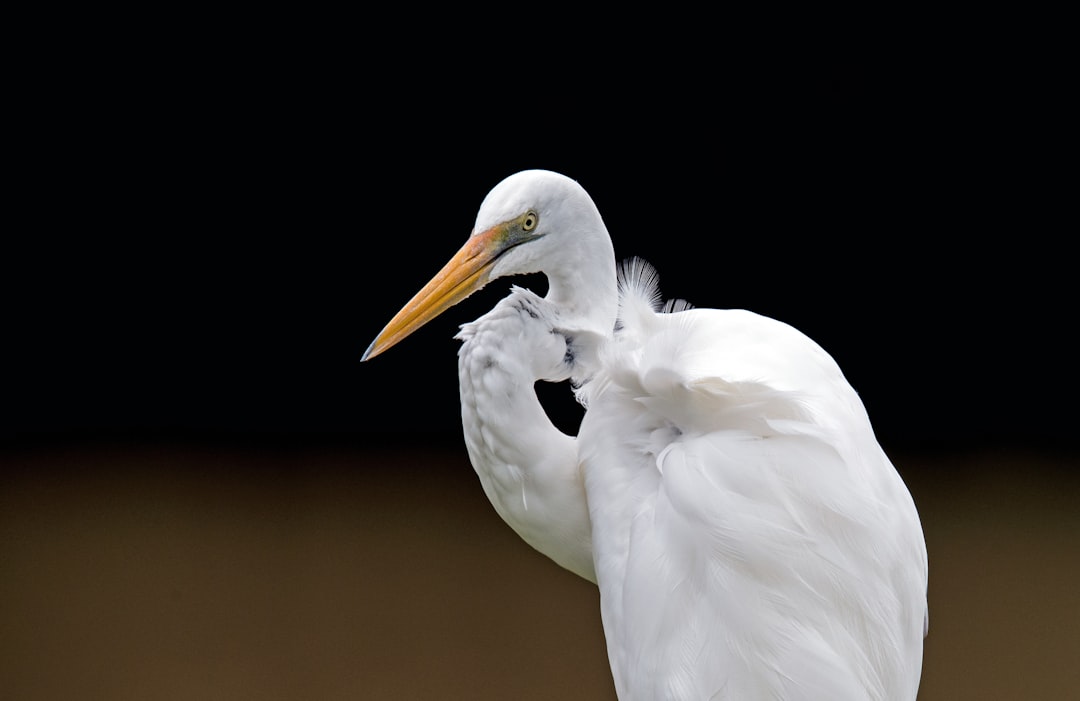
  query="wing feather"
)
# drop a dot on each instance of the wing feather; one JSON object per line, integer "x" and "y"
{"x": 744, "y": 515}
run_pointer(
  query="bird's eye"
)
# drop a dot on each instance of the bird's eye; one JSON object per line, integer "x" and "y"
{"x": 529, "y": 222}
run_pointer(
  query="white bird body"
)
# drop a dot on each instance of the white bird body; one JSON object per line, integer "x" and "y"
{"x": 744, "y": 514}
{"x": 749, "y": 537}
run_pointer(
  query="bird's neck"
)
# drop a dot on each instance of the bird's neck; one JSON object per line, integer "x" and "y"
{"x": 527, "y": 467}
{"x": 584, "y": 287}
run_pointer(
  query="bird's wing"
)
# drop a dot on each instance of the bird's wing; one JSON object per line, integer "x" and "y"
{"x": 750, "y": 537}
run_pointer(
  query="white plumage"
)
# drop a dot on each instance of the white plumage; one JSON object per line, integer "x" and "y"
{"x": 749, "y": 537}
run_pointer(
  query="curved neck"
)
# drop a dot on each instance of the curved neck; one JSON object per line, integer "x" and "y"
{"x": 583, "y": 285}
{"x": 527, "y": 467}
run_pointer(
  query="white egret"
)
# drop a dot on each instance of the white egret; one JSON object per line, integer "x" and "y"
{"x": 726, "y": 492}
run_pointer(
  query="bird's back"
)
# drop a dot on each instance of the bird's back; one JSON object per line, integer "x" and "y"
{"x": 751, "y": 539}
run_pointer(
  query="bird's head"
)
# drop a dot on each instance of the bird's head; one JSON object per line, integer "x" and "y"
{"x": 533, "y": 221}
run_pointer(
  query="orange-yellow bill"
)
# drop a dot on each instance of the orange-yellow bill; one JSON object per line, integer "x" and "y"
{"x": 465, "y": 273}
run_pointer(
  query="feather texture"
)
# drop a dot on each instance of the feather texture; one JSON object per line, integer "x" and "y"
{"x": 527, "y": 467}
{"x": 741, "y": 506}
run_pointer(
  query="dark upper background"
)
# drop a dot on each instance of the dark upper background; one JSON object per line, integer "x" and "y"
{"x": 209, "y": 249}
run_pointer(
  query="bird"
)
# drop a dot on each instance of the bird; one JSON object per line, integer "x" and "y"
{"x": 725, "y": 490}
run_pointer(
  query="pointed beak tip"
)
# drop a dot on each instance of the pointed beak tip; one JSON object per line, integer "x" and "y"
{"x": 368, "y": 354}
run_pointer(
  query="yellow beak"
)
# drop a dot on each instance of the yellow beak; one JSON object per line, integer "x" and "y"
{"x": 465, "y": 273}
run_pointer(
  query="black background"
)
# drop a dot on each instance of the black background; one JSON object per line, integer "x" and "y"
{"x": 209, "y": 247}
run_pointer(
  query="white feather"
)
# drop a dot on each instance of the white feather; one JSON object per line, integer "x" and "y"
{"x": 741, "y": 506}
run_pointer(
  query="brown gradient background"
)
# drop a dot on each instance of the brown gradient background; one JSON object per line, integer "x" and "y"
{"x": 205, "y": 495}
{"x": 219, "y": 573}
